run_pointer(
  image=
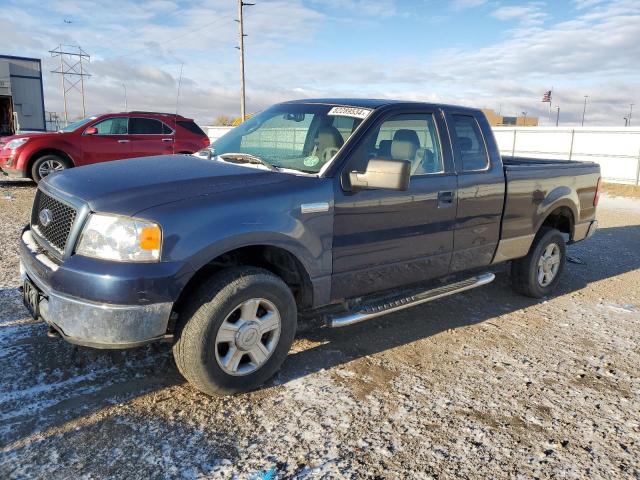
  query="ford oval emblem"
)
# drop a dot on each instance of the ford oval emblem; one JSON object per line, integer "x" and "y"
{"x": 45, "y": 217}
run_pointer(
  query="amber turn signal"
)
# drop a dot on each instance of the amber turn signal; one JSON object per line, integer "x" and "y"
{"x": 150, "y": 238}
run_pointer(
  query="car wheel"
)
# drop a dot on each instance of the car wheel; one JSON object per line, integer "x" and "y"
{"x": 236, "y": 331}
{"x": 538, "y": 274}
{"x": 46, "y": 165}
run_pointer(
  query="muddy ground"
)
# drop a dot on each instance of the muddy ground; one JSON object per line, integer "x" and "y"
{"x": 487, "y": 384}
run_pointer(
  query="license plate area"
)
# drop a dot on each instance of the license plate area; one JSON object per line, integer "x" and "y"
{"x": 31, "y": 298}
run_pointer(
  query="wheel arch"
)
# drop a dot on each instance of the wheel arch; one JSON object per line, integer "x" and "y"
{"x": 561, "y": 216}
{"x": 276, "y": 259}
{"x": 46, "y": 151}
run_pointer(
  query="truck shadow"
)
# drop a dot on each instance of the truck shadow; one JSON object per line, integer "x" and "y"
{"x": 611, "y": 252}
{"x": 47, "y": 383}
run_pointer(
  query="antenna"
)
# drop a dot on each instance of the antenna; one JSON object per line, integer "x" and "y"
{"x": 179, "y": 84}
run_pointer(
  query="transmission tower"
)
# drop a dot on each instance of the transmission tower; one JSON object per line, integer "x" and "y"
{"x": 72, "y": 72}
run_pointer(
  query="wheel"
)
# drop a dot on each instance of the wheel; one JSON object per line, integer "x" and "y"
{"x": 538, "y": 274}
{"x": 46, "y": 165}
{"x": 236, "y": 331}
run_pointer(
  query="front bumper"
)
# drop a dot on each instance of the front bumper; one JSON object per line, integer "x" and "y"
{"x": 86, "y": 322}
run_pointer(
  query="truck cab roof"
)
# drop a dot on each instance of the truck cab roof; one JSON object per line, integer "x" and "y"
{"x": 375, "y": 103}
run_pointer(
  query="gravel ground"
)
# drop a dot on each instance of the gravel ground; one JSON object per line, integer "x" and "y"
{"x": 484, "y": 384}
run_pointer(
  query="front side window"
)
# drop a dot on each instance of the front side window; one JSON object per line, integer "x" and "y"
{"x": 411, "y": 137}
{"x": 296, "y": 136}
{"x": 145, "y": 126}
{"x": 470, "y": 146}
{"x": 112, "y": 126}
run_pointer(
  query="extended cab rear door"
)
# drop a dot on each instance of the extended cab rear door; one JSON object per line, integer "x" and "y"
{"x": 385, "y": 239}
{"x": 481, "y": 189}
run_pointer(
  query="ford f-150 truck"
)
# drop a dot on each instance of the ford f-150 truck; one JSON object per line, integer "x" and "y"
{"x": 342, "y": 209}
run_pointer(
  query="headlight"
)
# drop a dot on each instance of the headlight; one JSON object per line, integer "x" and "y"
{"x": 122, "y": 239}
{"x": 18, "y": 142}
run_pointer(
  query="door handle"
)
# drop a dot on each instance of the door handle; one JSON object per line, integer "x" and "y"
{"x": 167, "y": 139}
{"x": 123, "y": 141}
{"x": 445, "y": 199}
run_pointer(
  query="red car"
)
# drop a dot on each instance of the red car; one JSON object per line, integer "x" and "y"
{"x": 111, "y": 136}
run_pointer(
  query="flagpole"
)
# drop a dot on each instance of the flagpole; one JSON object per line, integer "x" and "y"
{"x": 550, "y": 96}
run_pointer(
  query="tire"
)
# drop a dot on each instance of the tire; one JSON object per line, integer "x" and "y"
{"x": 525, "y": 272}
{"x": 202, "y": 348}
{"x": 49, "y": 163}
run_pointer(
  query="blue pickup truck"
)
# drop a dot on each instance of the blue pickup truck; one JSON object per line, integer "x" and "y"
{"x": 342, "y": 209}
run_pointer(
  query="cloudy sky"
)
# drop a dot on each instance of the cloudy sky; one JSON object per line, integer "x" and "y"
{"x": 487, "y": 53}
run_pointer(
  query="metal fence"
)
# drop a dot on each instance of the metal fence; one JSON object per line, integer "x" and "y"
{"x": 617, "y": 150}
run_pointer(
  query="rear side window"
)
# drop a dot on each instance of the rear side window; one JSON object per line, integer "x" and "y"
{"x": 469, "y": 143}
{"x": 145, "y": 126}
{"x": 191, "y": 126}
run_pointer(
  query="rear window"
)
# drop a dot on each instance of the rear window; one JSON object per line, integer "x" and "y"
{"x": 191, "y": 126}
{"x": 469, "y": 143}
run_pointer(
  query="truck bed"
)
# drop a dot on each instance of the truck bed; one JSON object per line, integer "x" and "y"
{"x": 534, "y": 186}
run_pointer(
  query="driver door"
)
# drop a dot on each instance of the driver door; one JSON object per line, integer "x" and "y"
{"x": 111, "y": 142}
{"x": 385, "y": 239}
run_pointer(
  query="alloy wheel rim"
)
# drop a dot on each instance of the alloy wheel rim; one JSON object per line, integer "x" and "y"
{"x": 548, "y": 264}
{"x": 247, "y": 337}
{"x": 48, "y": 167}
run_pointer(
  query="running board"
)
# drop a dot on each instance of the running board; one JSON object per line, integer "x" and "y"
{"x": 376, "y": 310}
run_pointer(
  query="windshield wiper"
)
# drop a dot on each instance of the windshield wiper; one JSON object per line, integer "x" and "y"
{"x": 246, "y": 158}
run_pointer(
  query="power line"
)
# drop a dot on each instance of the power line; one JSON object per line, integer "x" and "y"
{"x": 219, "y": 20}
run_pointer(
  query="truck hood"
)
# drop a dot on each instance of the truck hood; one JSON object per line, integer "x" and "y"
{"x": 129, "y": 186}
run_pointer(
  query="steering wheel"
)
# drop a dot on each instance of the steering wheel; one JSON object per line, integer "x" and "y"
{"x": 329, "y": 153}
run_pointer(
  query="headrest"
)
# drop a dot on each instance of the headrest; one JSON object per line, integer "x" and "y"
{"x": 405, "y": 144}
{"x": 329, "y": 136}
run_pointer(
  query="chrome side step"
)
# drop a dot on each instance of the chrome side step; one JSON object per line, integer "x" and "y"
{"x": 377, "y": 310}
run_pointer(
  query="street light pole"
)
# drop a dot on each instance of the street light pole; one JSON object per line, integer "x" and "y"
{"x": 524, "y": 114}
{"x": 557, "y": 115}
{"x": 584, "y": 110}
{"x": 630, "y": 112}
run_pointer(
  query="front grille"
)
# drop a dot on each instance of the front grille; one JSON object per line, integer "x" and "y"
{"x": 60, "y": 216}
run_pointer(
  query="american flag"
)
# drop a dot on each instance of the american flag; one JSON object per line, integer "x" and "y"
{"x": 547, "y": 96}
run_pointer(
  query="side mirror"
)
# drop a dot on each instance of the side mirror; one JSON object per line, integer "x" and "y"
{"x": 382, "y": 174}
{"x": 91, "y": 131}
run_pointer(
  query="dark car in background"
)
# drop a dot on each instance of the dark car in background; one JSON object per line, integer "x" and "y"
{"x": 112, "y": 136}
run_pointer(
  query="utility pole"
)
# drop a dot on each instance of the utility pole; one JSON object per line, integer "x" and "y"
{"x": 557, "y": 114}
{"x": 71, "y": 72}
{"x": 584, "y": 109}
{"x": 240, "y": 21}
{"x": 524, "y": 114}
{"x": 630, "y": 112}
{"x": 125, "y": 96}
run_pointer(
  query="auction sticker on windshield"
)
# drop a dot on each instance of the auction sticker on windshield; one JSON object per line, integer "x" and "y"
{"x": 350, "y": 112}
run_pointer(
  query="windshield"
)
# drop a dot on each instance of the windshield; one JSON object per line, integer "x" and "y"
{"x": 78, "y": 123}
{"x": 296, "y": 136}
